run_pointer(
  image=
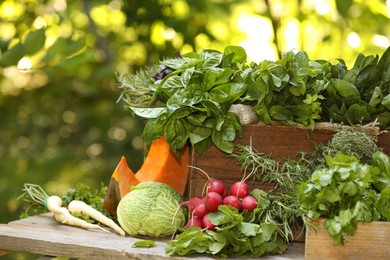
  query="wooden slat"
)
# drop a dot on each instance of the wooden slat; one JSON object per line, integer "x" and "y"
{"x": 43, "y": 235}
{"x": 371, "y": 241}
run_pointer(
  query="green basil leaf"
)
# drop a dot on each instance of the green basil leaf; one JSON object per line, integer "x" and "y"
{"x": 198, "y": 133}
{"x": 144, "y": 243}
{"x": 176, "y": 134}
{"x": 154, "y": 129}
{"x": 211, "y": 59}
{"x": 171, "y": 84}
{"x": 212, "y": 107}
{"x": 202, "y": 146}
{"x": 227, "y": 93}
{"x": 148, "y": 112}
{"x": 233, "y": 55}
{"x": 218, "y": 138}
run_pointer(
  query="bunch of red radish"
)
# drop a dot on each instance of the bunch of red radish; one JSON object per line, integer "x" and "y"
{"x": 216, "y": 195}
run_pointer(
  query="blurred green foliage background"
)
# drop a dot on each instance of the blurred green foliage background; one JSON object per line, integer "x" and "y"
{"x": 60, "y": 122}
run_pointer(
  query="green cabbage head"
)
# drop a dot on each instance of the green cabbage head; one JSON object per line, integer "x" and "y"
{"x": 149, "y": 208}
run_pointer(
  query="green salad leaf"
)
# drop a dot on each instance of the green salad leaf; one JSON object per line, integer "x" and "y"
{"x": 344, "y": 193}
{"x": 235, "y": 236}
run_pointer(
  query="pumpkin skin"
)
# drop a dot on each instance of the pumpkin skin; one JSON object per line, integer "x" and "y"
{"x": 160, "y": 165}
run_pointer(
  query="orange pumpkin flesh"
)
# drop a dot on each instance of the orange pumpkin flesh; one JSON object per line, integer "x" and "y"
{"x": 161, "y": 165}
{"x": 121, "y": 181}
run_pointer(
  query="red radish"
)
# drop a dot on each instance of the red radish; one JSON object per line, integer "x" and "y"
{"x": 212, "y": 201}
{"x": 239, "y": 189}
{"x": 232, "y": 201}
{"x": 224, "y": 194}
{"x": 192, "y": 203}
{"x": 249, "y": 203}
{"x": 216, "y": 185}
{"x": 207, "y": 223}
{"x": 212, "y": 185}
{"x": 200, "y": 210}
{"x": 195, "y": 221}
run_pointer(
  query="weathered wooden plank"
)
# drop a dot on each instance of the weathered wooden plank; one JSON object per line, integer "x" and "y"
{"x": 371, "y": 241}
{"x": 43, "y": 235}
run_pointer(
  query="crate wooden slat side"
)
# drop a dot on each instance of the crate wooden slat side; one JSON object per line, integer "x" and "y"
{"x": 384, "y": 141}
{"x": 43, "y": 235}
{"x": 371, "y": 241}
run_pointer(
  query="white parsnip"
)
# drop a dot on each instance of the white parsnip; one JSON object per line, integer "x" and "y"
{"x": 80, "y": 207}
{"x": 62, "y": 214}
{"x": 54, "y": 204}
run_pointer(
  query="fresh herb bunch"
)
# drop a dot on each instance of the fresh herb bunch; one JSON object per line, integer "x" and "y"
{"x": 360, "y": 95}
{"x": 92, "y": 197}
{"x": 344, "y": 194}
{"x": 82, "y": 192}
{"x": 280, "y": 204}
{"x": 188, "y": 97}
{"x": 348, "y": 141}
{"x": 196, "y": 95}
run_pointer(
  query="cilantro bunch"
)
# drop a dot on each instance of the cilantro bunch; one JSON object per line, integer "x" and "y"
{"x": 345, "y": 193}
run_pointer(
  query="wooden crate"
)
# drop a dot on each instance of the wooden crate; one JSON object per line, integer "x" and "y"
{"x": 371, "y": 241}
{"x": 280, "y": 141}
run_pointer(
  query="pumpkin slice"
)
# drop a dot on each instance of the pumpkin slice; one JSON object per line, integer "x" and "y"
{"x": 161, "y": 164}
{"x": 121, "y": 181}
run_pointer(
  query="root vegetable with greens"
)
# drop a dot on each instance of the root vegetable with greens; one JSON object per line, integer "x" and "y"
{"x": 63, "y": 215}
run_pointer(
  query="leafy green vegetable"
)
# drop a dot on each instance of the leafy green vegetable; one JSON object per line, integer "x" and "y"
{"x": 343, "y": 194}
{"x": 236, "y": 235}
{"x": 145, "y": 243}
{"x": 190, "y": 97}
{"x": 150, "y": 209}
{"x": 82, "y": 192}
{"x": 92, "y": 197}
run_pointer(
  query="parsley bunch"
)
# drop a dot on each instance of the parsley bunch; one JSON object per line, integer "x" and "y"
{"x": 344, "y": 193}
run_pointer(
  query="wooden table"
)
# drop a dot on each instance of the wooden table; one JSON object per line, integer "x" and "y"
{"x": 43, "y": 235}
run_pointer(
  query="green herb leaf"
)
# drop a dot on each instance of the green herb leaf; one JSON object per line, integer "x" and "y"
{"x": 144, "y": 243}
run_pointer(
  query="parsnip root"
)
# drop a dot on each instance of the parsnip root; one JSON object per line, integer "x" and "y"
{"x": 80, "y": 207}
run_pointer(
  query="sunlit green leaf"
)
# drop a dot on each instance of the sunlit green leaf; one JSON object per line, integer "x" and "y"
{"x": 34, "y": 41}
{"x": 12, "y": 55}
